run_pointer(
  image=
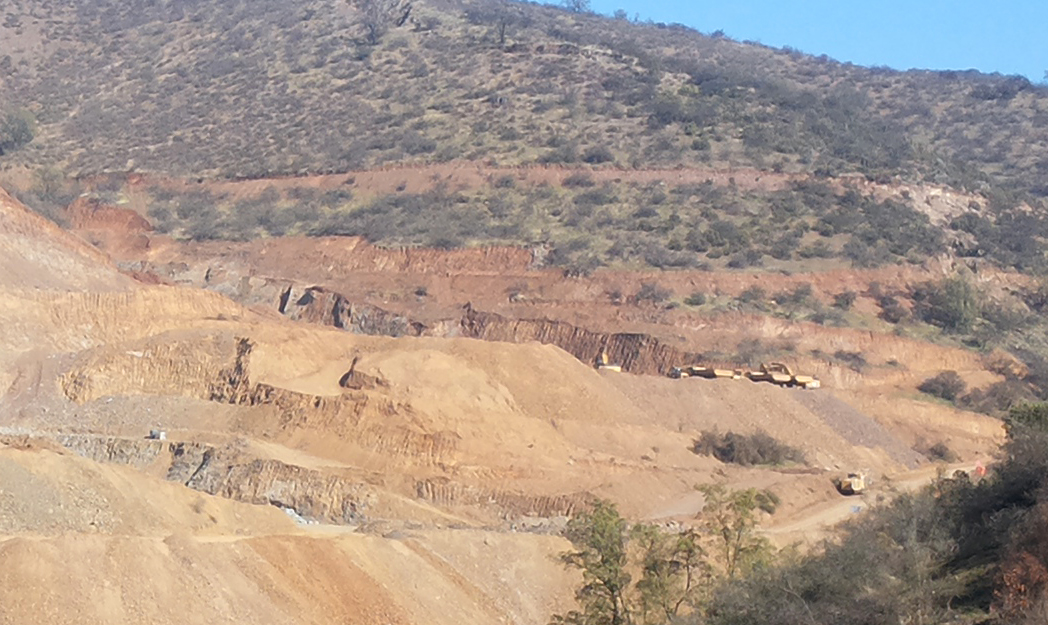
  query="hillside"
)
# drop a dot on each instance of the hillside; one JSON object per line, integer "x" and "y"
{"x": 309, "y": 298}
{"x": 118, "y": 85}
{"x": 708, "y": 152}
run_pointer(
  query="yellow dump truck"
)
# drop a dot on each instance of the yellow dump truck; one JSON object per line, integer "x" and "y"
{"x": 853, "y": 484}
{"x": 704, "y": 372}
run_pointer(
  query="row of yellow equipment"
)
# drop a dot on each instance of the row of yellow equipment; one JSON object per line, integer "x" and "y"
{"x": 775, "y": 373}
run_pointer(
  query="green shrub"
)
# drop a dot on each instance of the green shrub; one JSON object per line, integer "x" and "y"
{"x": 17, "y": 128}
{"x": 753, "y": 295}
{"x": 1033, "y": 416}
{"x": 953, "y": 304}
{"x": 948, "y": 385}
{"x": 652, "y": 292}
{"x": 597, "y": 155}
{"x": 844, "y": 300}
{"x": 577, "y": 180}
{"x": 746, "y": 449}
{"x": 698, "y": 298}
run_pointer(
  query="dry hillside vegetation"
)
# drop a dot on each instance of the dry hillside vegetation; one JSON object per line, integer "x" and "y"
{"x": 125, "y": 87}
{"x": 166, "y": 87}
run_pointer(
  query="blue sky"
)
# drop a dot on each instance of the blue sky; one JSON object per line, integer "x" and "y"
{"x": 1006, "y": 36}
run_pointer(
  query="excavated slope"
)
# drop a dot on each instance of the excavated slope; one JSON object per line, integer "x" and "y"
{"x": 86, "y": 543}
{"x": 36, "y": 254}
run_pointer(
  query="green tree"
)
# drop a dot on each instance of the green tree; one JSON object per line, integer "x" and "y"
{"x": 599, "y": 537}
{"x": 731, "y": 517}
{"x": 675, "y": 573}
{"x": 16, "y": 130}
{"x": 954, "y": 304}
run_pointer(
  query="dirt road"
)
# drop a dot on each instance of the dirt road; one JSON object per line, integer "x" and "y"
{"x": 816, "y": 522}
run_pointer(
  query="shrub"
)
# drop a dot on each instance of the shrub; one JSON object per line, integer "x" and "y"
{"x": 892, "y": 310}
{"x": 844, "y": 300}
{"x": 16, "y": 130}
{"x": 946, "y": 385}
{"x": 801, "y": 295}
{"x": 941, "y": 451}
{"x": 698, "y": 298}
{"x": 597, "y": 155}
{"x": 753, "y": 295}
{"x": 1030, "y": 415}
{"x": 953, "y": 304}
{"x": 578, "y": 180}
{"x": 855, "y": 360}
{"x": 746, "y": 449}
{"x": 651, "y": 292}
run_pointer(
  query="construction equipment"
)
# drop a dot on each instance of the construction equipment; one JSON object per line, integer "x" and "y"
{"x": 778, "y": 373}
{"x": 853, "y": 484}
{"x": 604, "y": 364}
{"x": 710, "y": 373}
{"x": 775, "y": 373}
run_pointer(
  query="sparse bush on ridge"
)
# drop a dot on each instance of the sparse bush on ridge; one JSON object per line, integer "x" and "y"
{"x": 948, "y": 385}
{"x": 746, "y": 449}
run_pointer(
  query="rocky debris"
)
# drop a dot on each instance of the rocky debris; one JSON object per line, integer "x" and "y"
{"x": 858, "y": 428}
{"x": 134, "y": 453}
{"x": 227, "y": 472}
{"x": 358, "y": 380}
{"x": 444, "y": 492}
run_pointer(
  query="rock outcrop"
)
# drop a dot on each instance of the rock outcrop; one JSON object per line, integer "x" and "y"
{"x": 229, "y": 472}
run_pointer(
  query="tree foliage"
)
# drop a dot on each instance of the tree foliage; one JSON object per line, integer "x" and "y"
{"x": 962, "y": 551}
{"x": 953, "y": 304}
{"x": 677, "y": 571}
{"x": 17, "y": 129}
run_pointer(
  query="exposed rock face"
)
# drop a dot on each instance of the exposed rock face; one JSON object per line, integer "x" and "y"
{"x": 318, "y": 305}
{"x": 637, "y": 353}
{"x": 215, "y": 368}
{"x": 227, "y": 472}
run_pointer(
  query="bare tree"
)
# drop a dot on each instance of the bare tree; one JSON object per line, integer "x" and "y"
{"x": 576, "y": 6}
{"x": 381, "y": 15}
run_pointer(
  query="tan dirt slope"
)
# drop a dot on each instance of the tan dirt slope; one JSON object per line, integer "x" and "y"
{"x": 439, "y": 467}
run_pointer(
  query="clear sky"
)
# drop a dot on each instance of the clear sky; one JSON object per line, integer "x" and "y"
{"x": 1006, "y": 36}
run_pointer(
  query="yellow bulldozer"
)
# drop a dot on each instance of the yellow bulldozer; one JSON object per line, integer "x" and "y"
{"x": 778, "y": 373}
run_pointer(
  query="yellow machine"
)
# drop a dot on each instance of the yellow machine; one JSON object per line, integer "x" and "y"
{"x": 853, "y": 484}
{"x": 604, "y": 365}
{"x": 778, "y": 373}
{"x": 775, "y": 373}
{"x": 704, "y": 372}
